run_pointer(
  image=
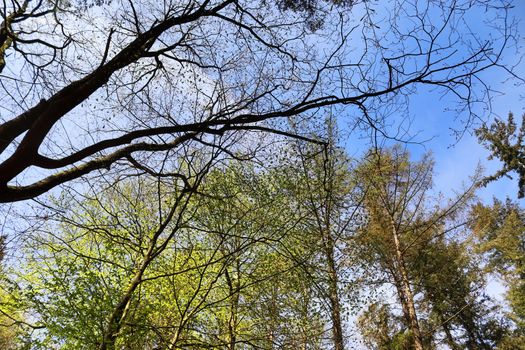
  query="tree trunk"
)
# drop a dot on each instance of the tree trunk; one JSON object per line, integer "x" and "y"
{"x": 450, "y": 339}
{"x": 119, "y": 312}
{"x": 335, "y": 312}
{"x": 325, "y": 225}
{"x": 234, "y": 289}
{"x": 405, "y": 290}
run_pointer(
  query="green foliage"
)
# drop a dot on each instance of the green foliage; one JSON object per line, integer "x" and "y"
{"x": 500, "y": 230}
{"x": 408, "y": 238}
{"x": 452, "y": 287}
{"x": 380, "y": 329}
{"x": 504, "y": 139}
{"x": 14, "y": 328}
{"x": 234, "y": 267}
{"x": 84, "y": 261}
{"x": 8, "y": 333}
{"x": 267, "y": 258}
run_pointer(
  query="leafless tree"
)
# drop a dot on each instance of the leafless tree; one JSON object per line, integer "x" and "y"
{"x": 93, "y": 85}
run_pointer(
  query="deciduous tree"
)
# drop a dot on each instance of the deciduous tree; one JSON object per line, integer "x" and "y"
{"x": 95, "y": 85}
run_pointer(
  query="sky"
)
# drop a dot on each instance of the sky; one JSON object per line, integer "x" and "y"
{"x": 457, "y": 160}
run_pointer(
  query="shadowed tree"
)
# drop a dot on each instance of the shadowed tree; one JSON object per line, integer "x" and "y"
{"x": 452, "y": 285}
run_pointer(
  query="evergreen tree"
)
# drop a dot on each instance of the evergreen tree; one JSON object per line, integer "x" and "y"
{"x": 504, "y": 140}
{"x": 500, "y": 233}
{"x": 414, "y": 245}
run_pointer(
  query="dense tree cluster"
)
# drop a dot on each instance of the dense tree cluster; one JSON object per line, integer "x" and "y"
{"x": 317, "y": 251}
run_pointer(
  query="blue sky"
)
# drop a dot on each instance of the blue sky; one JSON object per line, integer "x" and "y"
{"x": 457, "y": 160}
{"x": 454, "y": 164}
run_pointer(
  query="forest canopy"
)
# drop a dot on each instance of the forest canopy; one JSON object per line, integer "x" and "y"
{"x": 188, "y": 175}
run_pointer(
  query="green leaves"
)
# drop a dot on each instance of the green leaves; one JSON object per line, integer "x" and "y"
{"x": 500, "y": 233}
{"x": 269, "y": 258}
{"x": 504, "y": 140}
